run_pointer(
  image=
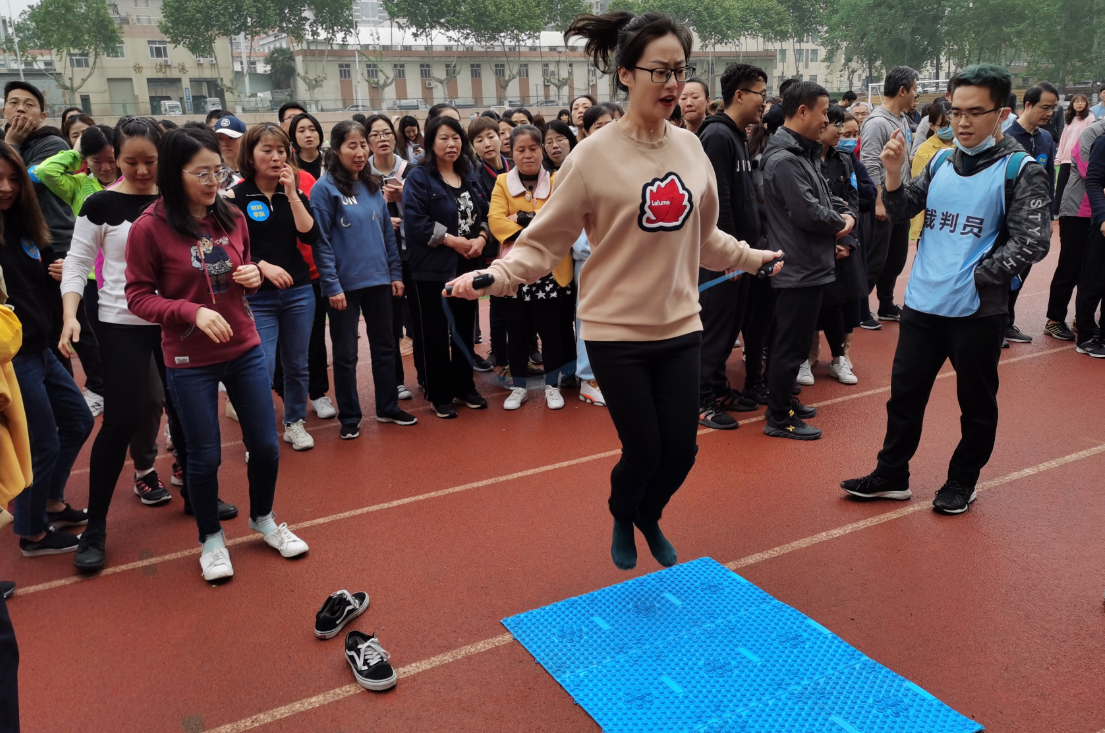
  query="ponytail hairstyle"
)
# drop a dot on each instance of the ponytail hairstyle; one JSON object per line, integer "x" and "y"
{"x": 176, "y": 149}
{"x": 94, "y": 139}
{"x": 25, "y": 214}
{"x": 617, "y": 40}
{"x": 342, "y": 178}
{"x": 128, "y": 127}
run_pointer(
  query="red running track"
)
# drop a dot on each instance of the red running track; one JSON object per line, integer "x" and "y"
{"x": 452, "y": 525}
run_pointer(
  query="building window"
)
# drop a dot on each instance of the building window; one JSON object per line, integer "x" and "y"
{"x": 344, "y": 71}
{"x": 158, "y": 49}
{"x": 372, "y": 71}
{"x": 476, "y": 71}
{"x": 523, "y": 71}
{"x": 424, "y": 71}
{"x": 544, "y": 71}
{"x": 407, "y": 48}
{"x": 252, "y": 66}
{"x": 813, "y": 55}
{"x": 78, "y": 60}
{"x": 782, "y": 56}
{"x": 399, "y": 71}
{"x": 143, "y": 20}
{"x": 798, "y": 54}
{"x": 500, "y": 71}
{"x": 813, "y": 78}
{"x": 451, "y": 71}
{"x": 117, "y": 53}
{"x": 141, "y": 3}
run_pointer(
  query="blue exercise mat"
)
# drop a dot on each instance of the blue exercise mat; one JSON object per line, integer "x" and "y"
{"x": 698, "y": 648}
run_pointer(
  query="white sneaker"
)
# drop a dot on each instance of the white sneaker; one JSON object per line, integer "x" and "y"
{"x": 805, "y": 374}
{"x": 168, "y": 439}
{"x": 404, "y": 393}
{"x": 282, "y": 540}
{"x": 94, "y": 401}
{"x": 516, "y": 398}
{"x": 589, "y": 392}
{"x": 216, "y": 564}
{"x": 324, "y": 408}
{"x": 230, "y": 411}
{"x": 839, "y": 368}
{"x": 553, "y": 398}
{"x": 296, "y": 434}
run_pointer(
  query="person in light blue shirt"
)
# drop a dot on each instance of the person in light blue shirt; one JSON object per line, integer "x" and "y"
{"x": 1098, "y": 110}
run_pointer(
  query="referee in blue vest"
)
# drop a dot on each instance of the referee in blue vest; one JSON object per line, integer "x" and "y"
{"x": 987, "y": 219}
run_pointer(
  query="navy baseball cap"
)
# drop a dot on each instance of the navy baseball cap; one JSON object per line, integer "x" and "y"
{"x": 230, "y": 126}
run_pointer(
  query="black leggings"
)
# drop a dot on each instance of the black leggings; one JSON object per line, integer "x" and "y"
{"x": 758, "y": 317}
{"x": 128, "y": 350}
{"x": 444, "y": 365}
{"x": 832, "y": 323}
{"x": 551, "y": 318}
{"x": 651, "y": 391}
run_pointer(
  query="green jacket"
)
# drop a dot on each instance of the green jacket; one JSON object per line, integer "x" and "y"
{"x": 58, "y": 173}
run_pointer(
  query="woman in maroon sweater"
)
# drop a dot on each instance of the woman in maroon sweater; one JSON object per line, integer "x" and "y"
{"x": 189, "y": 269}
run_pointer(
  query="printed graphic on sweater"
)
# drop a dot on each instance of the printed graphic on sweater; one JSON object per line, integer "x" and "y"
{"x": 214, "y": 260}
{"x": 466, "y": 214}
{"x": 665, "y": 204}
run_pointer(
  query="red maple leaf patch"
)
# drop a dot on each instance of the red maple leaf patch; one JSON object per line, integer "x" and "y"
{"x": 665, "y": 204}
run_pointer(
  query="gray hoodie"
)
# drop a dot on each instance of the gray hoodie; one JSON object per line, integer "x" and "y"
{"x": 876, "y": 130}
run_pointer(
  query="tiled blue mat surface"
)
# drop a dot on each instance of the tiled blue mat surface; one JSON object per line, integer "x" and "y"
{"x": 698, "y": 648}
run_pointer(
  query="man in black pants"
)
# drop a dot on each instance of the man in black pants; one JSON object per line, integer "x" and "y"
{"x": 801, "y": 220}
{"x": 743, "y": 88}
{"x": 987, "y": 212}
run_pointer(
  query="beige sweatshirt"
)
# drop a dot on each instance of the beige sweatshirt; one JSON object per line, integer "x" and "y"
{"x": 650, "y": 212}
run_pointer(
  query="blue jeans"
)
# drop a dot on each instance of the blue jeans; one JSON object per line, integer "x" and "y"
{"x": 583, "y": 364}
{"x": 58, "y": 423}
{"x": 375, "y": 303}
{"x": 287, "y": 316}
{"x": 195, "y": 392}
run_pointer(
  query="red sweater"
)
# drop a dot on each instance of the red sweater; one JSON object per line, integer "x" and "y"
{"x": 306, "y": 183}
{"x": 168, "y": 281}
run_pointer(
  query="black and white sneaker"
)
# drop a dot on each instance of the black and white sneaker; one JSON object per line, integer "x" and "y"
{"x": 338, "y": 610}
{"x": 1059, "y": 330}
{"x": 7, "y": 588}
{"x": 954, "y": 498}
{"x": 473, "y": 401}
{"x": 480, "y": 364}
{"x": 889, "y": 313}
{"x": 68, "y": 517}
{"x": 1017, "y": 336}
{"x": 1092, "y": 348}
{"x": 54, "y": 543}
{"x": 399, "y": 418}
{"x": 349, "y": 432}
{"x": 712, "y": 416}
{"x": 369, "y": 662}
{"x": 872, "y": 486}
{"x": 870, "y": 323}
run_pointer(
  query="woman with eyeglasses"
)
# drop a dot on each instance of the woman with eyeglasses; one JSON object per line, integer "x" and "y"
{"x": 306, "y": 135}
{"x": 189, "y": 269}
{"x": 941, "y": 136}
{"x": 361, "y": 272}
{"x": 278, "y": 215}
{"x": 646, "y": 195}
{"x": 559, "y": 142}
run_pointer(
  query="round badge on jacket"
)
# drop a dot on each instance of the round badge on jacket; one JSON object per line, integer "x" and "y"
{"x": 257, "y": 210}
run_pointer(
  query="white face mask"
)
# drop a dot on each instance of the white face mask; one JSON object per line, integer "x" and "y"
{"x": 990, "y": 141}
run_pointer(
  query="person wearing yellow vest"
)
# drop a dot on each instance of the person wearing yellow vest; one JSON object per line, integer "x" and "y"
{"x": 942, "y": 137}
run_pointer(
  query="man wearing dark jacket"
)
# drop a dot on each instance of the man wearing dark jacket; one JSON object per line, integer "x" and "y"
{"x": 723, "y": 138}
{"x": 803, "y": 221}
{"x": 987, "y": 218}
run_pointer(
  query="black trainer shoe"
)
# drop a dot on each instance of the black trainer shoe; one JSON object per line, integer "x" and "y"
{"x": 150, "y": 490}
{"x": 1059, "y": 330}
{"x": 473, "y": 401}
{"x": 1092, "y": 348}
{"x": 796, "y": 390}
{"x": 735, "y": 401}
{"x": 535, "y": 356}
{"x": 350, "y": 432}
{"x": 804, "y": 412}
{"x": 1005, "y": 343}
{"x": 889, "y": 313}
{"x": 445, "y": 411}
{"x": 872, "y": 486}
{"x": 226, "y": 511}
{"x": 870, "y": 323}
{"x": 7, "y": 588}
{"x": 480, "y": 364}
{"x": 338, "y": 610}
{"x": 790, "y": 427}
{"x": 399, "y": 418}
{"x": 1016, "y": 336}
{"x": 90, "y": 551}
{"x": 54, "y": 543}
{"x": 369, "y": 662}
{"x": 68, "y": 517}
{"x": 756, "y": 391}
{"x": 712, "y": 416}
{"x": 954, "y": 498}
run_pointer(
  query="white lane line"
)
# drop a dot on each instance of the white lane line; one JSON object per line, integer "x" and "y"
{"x": 340, "y": 693}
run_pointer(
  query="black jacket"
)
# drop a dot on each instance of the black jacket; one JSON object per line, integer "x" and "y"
{"x": 801, "y": 218}
{"x": 32, "y": 293}
{"x": 272, "y": 231}
{"x": 840, "y": 171}
{"x": 40, "y": 145}
{"x": 430, "y": 212}
{"x": 1023, "y": 241}
{"x": 726, "y": 146}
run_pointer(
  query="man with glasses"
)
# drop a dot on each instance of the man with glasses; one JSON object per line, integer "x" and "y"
{"x": 987, "y": 218}
{"x": 287, "y": 113}
{"x": 743, "y": 88}
{"x": 1040, "y": 103}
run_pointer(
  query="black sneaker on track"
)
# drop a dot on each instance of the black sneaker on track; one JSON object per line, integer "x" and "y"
{"x": 954, "y": 498}
{"x": 369, "y": 662}
{"x": 473, "y": 401}
{"x": 889, "y": 313}
{"x": 712, "y": 416}
{"x": 535, "y": 356}
{"x": 1017, "y": 336}
{"x": 445, "y": 411}
{"x": 870, "y": 323}
{"x": 68, "y": 517}
{"x": 1058, "y": 330}
{"x": 735, "y": 401}
{"x": 1092, "y": 348}
{"x": 338, "y": 610}
{"x": 872, "y": 486}
{"x": 757, "y": 391}
{"x": 805, "y": 412}
{"x": 226, "y": 511}
{"x": 54, "y": 543}
{"x": 399, "y": 418}
{"x": 350, "y": 432}
{"x": 7, "y": 588}
{"x": 90, "y": 551}
{"x": 150, "y": 490}
{"x": 480, "y": 364}
{"x": 791, "y": 427}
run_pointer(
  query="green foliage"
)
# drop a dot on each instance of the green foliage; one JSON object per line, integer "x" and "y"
{"x": 281, "y": 62}
{"x": 66, "y": 28}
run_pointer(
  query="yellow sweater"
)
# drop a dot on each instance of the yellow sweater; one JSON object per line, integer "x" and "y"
{"x": 650, "y": 212}
{"x": 509, "y": 197}
{"x": 15, "y": 442}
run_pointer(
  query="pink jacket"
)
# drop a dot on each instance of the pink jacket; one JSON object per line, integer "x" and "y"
{"x": 1069, "y": 140}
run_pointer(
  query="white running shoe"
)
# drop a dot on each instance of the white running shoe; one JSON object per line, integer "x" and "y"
{"x": 517, "y": 396}
{"x": 296, "y": 434}
{"x": 589, "y": 392}
{"x": 94, "y": 401}
{"x": 216, "y": 564}
{"x": 168, "y": 439}
{"x": 805, "y": 374}
{"x": 324, "y": 408}
{"x": 553, "y": 398}
{"x": 282, "y": 540}
{"x": 230, "y": 411}
{"x": 839, "y": 368}
{"x": 404, "y": 393}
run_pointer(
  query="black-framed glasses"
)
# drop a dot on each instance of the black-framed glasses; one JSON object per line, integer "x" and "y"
{"x": 661, "y": 76}
{"x": 387, "y": 135}
{"x": 763, "y": 94}
{"x": 971, "y": 114}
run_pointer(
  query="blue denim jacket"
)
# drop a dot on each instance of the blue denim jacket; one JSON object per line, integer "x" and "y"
{"x": 356, "y": 242}
{"x": 430, "y": 212}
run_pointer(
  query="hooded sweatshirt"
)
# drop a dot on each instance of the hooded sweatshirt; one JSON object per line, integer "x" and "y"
{"x": 726, "y": 146}
{"x": 650, "y": 212}
{"x": 41, "y": 144}
{"x": 877, "y": 130}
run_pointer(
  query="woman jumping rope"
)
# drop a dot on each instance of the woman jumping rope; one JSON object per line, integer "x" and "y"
{"x": 646, "y": 196}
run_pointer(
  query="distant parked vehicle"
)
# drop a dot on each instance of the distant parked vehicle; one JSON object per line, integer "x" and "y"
{"x": 411, "y": 104}
{"x": 358, "y": 108}
{"x": 171, "y": 108}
